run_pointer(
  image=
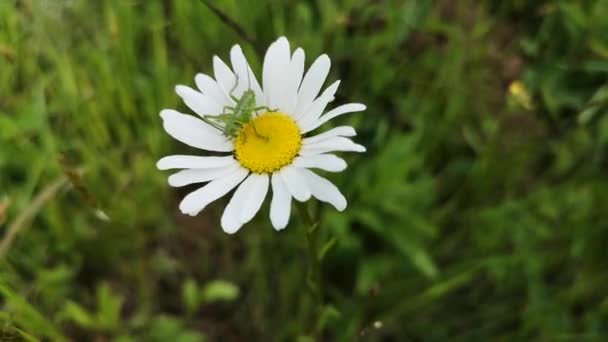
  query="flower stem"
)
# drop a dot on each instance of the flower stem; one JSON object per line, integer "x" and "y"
{"x": 314, "y": 278}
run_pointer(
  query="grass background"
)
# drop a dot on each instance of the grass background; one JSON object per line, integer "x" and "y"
{"x": 478, "y": 213}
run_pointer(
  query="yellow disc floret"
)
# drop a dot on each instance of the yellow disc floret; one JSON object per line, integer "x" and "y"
{"x": 268, "y": 143}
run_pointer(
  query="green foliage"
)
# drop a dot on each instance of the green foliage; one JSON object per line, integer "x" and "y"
{"x": 213, "y": 291}
{"x": 107, "y": 317}
{"x": 478, "y": 212}
{"x": 171, "y": 329}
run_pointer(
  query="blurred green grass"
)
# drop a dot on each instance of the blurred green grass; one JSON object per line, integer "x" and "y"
{"x": 477, "y": 213}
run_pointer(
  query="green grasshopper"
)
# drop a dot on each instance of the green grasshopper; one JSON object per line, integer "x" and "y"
{"x": 233, "y": 118}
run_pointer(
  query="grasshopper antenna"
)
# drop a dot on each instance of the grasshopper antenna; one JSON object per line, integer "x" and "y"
{"x": 248, "y": 77}
{"x": 234, "y": 25}
{"x": 254, "y": 111}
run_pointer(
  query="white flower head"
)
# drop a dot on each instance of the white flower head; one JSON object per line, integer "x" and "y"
{"x": 264, "y": 142}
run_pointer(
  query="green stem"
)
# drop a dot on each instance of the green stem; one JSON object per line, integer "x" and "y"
{"x": 314, "y": 278}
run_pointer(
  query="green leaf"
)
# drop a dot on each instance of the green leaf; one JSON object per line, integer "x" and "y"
{"x": 109, "y": 306}
{"x": 328, "y": 314}
{"x": 326, "y": 247}
{"x": 167, "y": 328}
{"x": 219, "y": 290}
{"x": 190, "y": 295}
{"x": 79, "y": 315}
{"x": 26, "y": 336}
{"x": 417, "y": 254}
{"x": 27, "y": 316}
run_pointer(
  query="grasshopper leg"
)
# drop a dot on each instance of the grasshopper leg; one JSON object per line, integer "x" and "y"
{"x": 212, "y": 124}
{"x": 227, "y": 109}
{"x": 266, "y": 108}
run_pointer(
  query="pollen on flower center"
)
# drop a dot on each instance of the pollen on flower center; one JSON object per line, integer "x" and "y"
{"x": 268, "y": 143}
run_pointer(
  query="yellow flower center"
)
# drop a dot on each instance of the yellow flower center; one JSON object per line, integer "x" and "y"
{"x": 268, "y": 143}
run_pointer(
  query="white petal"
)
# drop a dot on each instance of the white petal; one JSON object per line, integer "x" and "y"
{"x": 223, "y": 75}
{"x": 327, "y": 162}
{"x": 245, "y": 75}
{"x": 311, "y": 115}
{"x": 209, "y": 87}
{"x": 199, "y": 103}
{"x": 192, "y": 176}
{"x": 230, "y": 218}
{"x": 257, "y": 188}
{"x": 194, "y": 162}
{"x": 295, "y": 182}
{"x": 340, "y": 131}
{"x": 347, "y": 108}
{"x": 295, "y": 72}
{"x": 280, "y": 206}
{"x": 324, "y": 190}
{"x": 333, "y": 144}
{"x": 276, "y": 72}
{"x": 194, "y": 132}
{"x": 196, "y": 201}
{"x": 312, "y": 83}
{"x": 245, "y": 202}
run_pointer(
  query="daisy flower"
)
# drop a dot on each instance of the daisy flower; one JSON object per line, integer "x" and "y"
{"x": 271, "y": 150}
